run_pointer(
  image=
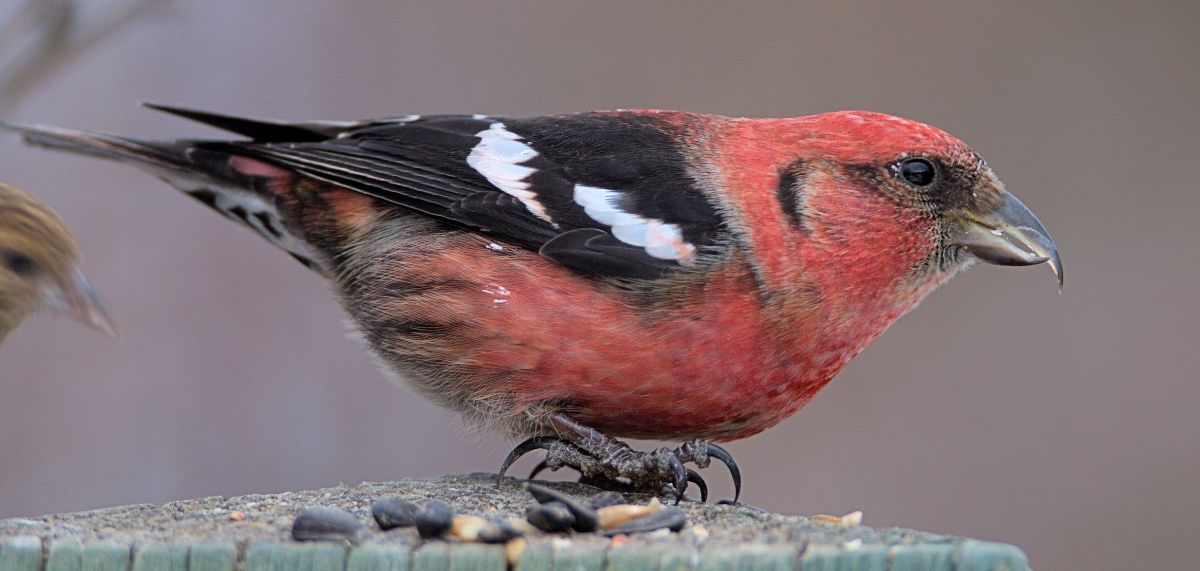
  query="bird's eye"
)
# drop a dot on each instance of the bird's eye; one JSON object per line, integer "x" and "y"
{"x": 17, "y": 262}
{"x": 918, "y": 172}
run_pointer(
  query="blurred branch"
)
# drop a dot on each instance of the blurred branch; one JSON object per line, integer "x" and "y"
{"x": 44, "y": 35}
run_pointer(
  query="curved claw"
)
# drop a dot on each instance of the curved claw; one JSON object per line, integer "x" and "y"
{"x": 694, "y": 477}
{"x": 679, "y": 476}
{"x": 535, "y": 443}
{"x": 538, "y": 469}
{"x": 727, "y": 459}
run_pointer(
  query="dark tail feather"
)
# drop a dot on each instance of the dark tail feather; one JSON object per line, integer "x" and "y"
{"x": 171, "y": 160}
{"x": 204, "y": 174}
{"x": 273, "y": 131}
{"x": 151, "y": 155}
{"x": 260, "y": 130}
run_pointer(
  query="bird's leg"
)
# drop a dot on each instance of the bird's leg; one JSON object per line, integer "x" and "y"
{"x": 692, "y": 477}
{"x": 606, "y": 462}
{"x": 611, "y": 464}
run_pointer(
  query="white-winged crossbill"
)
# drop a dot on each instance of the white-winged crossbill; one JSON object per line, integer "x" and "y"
{"x": 645, "y": 274}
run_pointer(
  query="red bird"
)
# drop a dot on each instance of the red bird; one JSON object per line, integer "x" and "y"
{"x": 643, "y": 274}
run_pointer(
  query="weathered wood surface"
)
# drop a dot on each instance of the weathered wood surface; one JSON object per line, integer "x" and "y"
{"x": 209, "y": 534}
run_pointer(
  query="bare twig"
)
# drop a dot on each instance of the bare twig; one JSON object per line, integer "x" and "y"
{"x": 44, "y": 35}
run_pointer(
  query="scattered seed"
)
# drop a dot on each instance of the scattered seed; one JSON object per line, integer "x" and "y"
{"x": 605, "y": 499}
{"x": 324, "y": 524}
{"x": 500, "y": 532}
{"x": 433, "y": 519}
{"x": 852, "y": 518}
{"x": 520, "y": 525}
{"x": 466, "y": 527}
{"x": 513, "y": 550}
{"x": 391, "y": 513}
{"x": 552, "y": 517}
{"x": 612, "y": 516}
{"x": 586, "y": 518}
{"x": 667, "y": 518}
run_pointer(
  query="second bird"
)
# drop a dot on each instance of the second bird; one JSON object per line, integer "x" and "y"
{"x": 39, "y": 265}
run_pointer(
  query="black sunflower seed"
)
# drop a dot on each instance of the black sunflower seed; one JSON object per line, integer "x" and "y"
{"x": 552, "y": 517}
{"x": 325, "y": 524}
{"x": 605, "y": 499}
{"x": 391, "y": 513}
{"x": 433, "y": 519}
{"x": 585, "y": 517}
{"x": 669, "y": 518}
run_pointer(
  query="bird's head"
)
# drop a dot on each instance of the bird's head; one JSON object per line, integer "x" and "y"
{"x": 853, "y": 217}
{"x": 883, "y": 201}
{"x": 39, "y": 265}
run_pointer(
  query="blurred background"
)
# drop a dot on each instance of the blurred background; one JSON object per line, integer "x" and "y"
{"x": 1066, "y": 424}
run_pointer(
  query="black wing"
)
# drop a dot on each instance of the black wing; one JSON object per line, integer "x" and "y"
{"x": 605, "y": 194}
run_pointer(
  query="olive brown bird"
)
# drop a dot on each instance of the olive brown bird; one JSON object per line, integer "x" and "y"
{"x": 631, "y": 273}
{"x": 39, "y": 265}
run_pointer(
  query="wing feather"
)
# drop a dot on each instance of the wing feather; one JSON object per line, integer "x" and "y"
{"x": 605, "y": 194}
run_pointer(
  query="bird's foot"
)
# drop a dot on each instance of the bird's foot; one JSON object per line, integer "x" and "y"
{"x": 615, "y": 467}
{"x": 702, "y": 452}
{"x": 611, "y": 464}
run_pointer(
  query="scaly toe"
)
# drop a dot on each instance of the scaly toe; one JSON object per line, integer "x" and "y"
{"x": 558, "y": 454}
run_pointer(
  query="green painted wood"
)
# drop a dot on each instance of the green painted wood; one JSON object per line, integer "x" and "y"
{"x": 536, "y": 557}
{"x": 750, "y": 558}
{"x": 432, "y": 557}
{"x": 838, "y": 558}
{"x": 678, "y": 559}
{"x": 213, "y": 557}
{"x": 987, "y": 556}
{"x": 737, "y": 539}
{"x": 574, "y": 557}
{"x": 24, "y": 553}
{"x": 21, "y": 553}
{"x": 162, "y": 557}
{"x": 106, "y": 557}
{"x": 652, "y": 558}
{"x": 477, "y": 557}
{"x": 324, "y": 556}
{"x": 65, "y": 555}
{"x": 922, "y": 557}
{"x": 379, "y": 558}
